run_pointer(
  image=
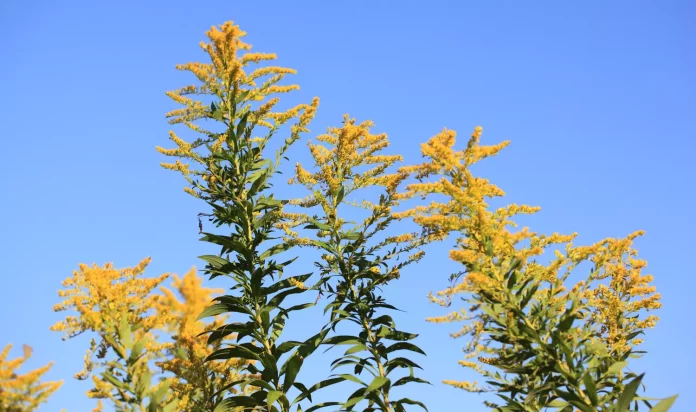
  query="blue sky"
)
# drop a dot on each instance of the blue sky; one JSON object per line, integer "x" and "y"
{"x": 598, "y": 99}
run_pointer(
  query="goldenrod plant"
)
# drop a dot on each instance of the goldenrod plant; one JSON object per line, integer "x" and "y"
{"x": 200, "y": 385}
{"x": 23, "y": 392}
{"x": 141, "y": 329}
{"x": 359, "y": 259}
{"x": 228, "y": 168}
{"x": 537, "y": 338}
{"x": 119, "y": 306}
{"x": 549, "y": 324}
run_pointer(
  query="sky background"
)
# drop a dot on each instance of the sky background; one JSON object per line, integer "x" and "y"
{"x": 598, "y": 99}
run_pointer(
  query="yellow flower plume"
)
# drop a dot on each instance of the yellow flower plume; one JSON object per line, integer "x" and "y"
{"x": 23, "y": 392}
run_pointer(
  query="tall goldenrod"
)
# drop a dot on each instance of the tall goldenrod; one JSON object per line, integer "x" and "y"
{"x": 242, "y": 99}
{"x": 555, "y": 344}
{"x": 358, "y": 257}
{"x": 228, "y": 168}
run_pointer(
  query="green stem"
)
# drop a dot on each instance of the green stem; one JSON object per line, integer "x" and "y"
{"x": 372, "y": 346}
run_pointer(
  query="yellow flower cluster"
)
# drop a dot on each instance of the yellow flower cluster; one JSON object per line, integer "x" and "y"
{"x": 235, "y": 90}
{"x": 467, "y": 386}
{"x": 188, "y": 349}
{"x": 100, "y": 295}
{"x": 23, "y": 392}
{"x": 298, "y": 284}
{"x": 346, "y": 160}
{"x": 465, "y": 210}
{"x": 624, "y": 293}
{"x": 104, "y": 297}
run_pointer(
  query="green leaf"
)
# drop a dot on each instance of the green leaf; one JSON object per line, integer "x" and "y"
{"x": 258, "y": 184}
{"x": 284, "y": 284}
{"x": 240, "y": 97}
{"x": 322, "y": 405}
{"x": 324, "y": 246}
{"x": 408, "y": 379}
{"x": 356, "y": 348}
{"x": 214, "y": 261}
{"x": 599, "y": 349}
{"x": 286, "y": 347}
{"x": 665, "y": 404}
{"x": 124, "y": 332}
{"x": 274, "y": 250}
{"x": 259, "y": 383}
{"x": 171, "y": 406}
{"x": 590, "y": 387}
{"x": 352, "y": 401}
{"x": 397, "y": 335}
{"x": 137, "y": 349}
{"x": 229, "y": 404}
{"x": 303, "y": 389}
{"x": 306, "y": 393}
{"x": 634, "y": 334}
{"x": 352, "y": 378}
{"x": 113, "y": 380}
{"x": 278, "y": 299}
{"x": 557, "y": 403}
{"x": 228, "y": 243}
{"x": 400, "y": 362}
{"x": 267, "y": 218}
{"x": 628, "y": 394}
{"x": 300, "y": 307}
{"x": 405, "y": 346}
{"x": 311, "y": 344}
{"x": 273, "y": 397}
{"x": 292, "y": 367}
{"x": 351, "y": 235}
{"x": 411, "y": 402}
{"x": 278, "y": 326}
{"x": 226, "y": 330}
{"x": 314, "y": 224}
{"x": 215, "y": 112}
{"x": 143, "y": 383}
{"x": 213, "y": 310}
{"x": 617, "y": 367}
{"x": 158, "y": 396}
{"x": 242, "y": 124}
{"x": 342, "y": 340}
{"x": 236, "y": 351}
{"x": 566, "y": 323}
{"x": 340, "y": 195}
{"x": 384, "y": 320}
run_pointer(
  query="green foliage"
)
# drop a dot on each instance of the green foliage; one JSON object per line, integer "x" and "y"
{"x": 551, "y": 347}
{"x": 547, "y": 344}
{"x": 375, "y": 348}
{"x": 131, "y": 376}
{"x": 358, "y": 259}
{"x": 543, "y": 364}
{"x": 236, "y": 182}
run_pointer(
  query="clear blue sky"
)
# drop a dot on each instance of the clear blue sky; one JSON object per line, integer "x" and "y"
{"x": 598, "y": 99}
